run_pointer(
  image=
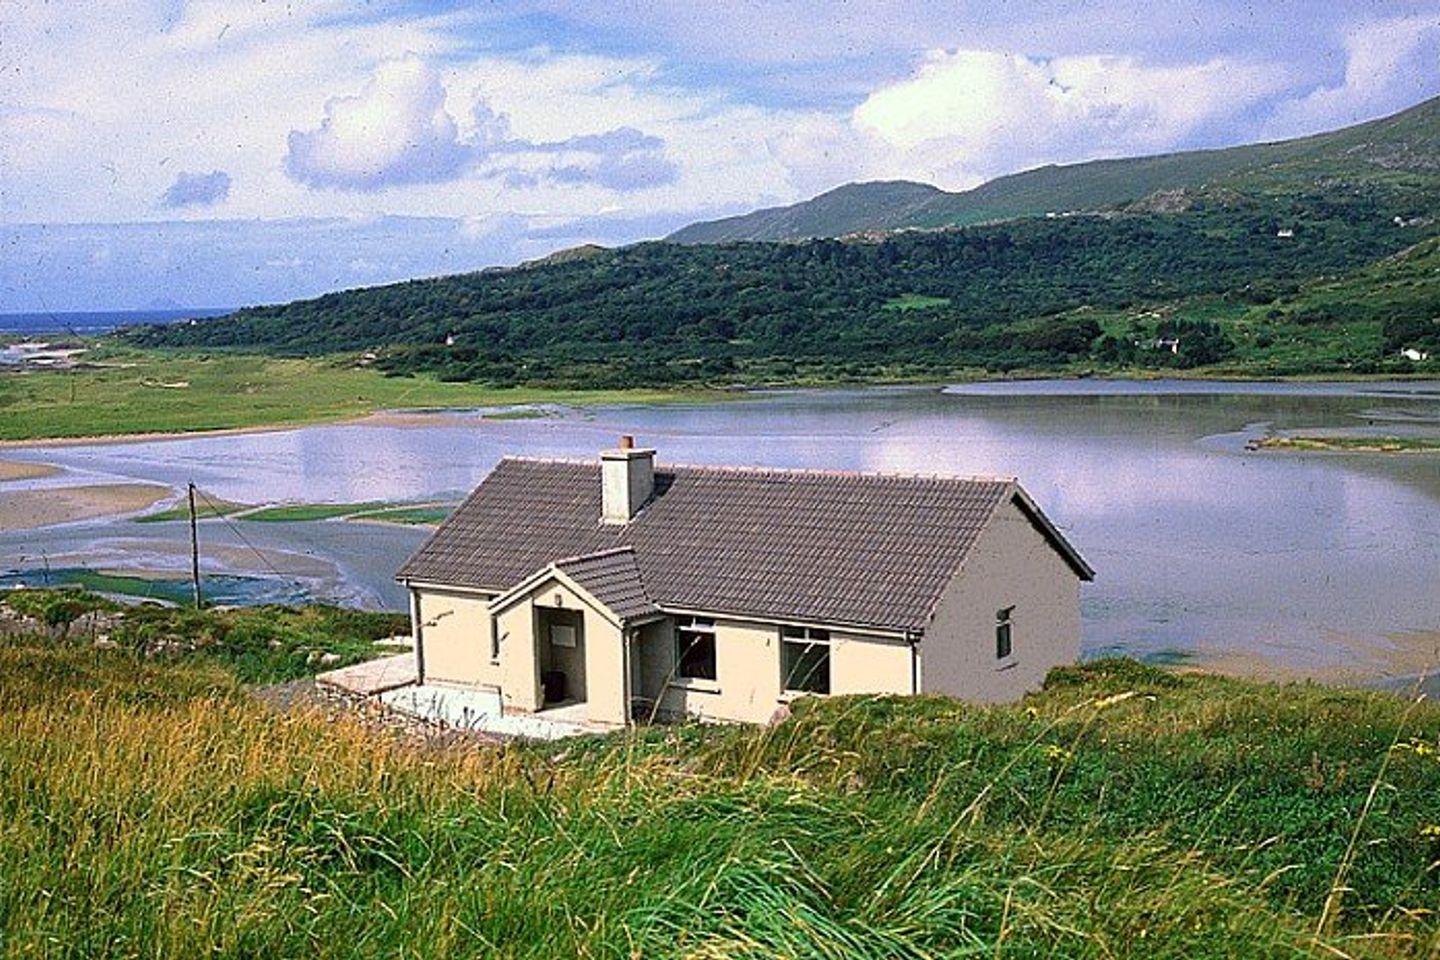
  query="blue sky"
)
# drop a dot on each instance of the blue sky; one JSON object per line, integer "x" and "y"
{"x": 221, "y": 152}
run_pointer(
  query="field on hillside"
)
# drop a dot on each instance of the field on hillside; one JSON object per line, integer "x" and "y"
{"x": 152, "y": 807}
{"x": 134, "y": 391}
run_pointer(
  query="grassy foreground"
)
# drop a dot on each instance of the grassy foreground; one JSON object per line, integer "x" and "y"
{"x": 132, "y": 391}
{"x": 152, "y": 808}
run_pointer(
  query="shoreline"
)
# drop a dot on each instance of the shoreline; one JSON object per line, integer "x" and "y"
{"x": 1356, "y": 662}
{"x": 405, "y": 417}
{"x": 151, "y": 436}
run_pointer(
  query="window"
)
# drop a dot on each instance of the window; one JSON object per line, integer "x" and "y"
{"x": 1004, "y": 647}
{"x": 695, "y": 648}
{"x": 805, "y": 660}
{"x": 562, "y": 635}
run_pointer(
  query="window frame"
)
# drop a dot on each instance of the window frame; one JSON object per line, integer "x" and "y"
{"x": 1005, "y": 636}
{"x": 702, "y": 627}
{"x": 808, "y": 638}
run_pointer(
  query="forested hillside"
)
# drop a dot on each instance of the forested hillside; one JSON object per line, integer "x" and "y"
{"x": 1223, "y": 281}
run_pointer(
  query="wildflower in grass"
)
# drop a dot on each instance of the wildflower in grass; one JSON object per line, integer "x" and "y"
{"x": 1418, "y": 747}
{"x": 1058, "y": 754}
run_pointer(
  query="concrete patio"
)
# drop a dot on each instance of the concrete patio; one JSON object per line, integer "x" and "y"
{"x": 480, "y": 711}
{"x": 373, "y": 676}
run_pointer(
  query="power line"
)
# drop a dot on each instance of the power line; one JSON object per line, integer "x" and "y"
{"x": 243, "y": 539}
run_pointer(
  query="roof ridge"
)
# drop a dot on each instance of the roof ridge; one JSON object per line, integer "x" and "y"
{"x": 594, "y": 555}
{"x": 832, "y": 472}
{"x": 759, "y": 469}
{"x": 569, "y": 461}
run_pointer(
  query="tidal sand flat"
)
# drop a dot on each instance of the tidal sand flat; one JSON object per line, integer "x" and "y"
{"x": 29, "y": 509}
{"x": 24, "y": 470}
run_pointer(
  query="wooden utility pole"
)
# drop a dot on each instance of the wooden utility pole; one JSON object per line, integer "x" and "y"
{"x": 194, "y": 548}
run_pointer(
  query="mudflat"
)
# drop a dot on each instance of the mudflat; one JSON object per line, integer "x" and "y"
{"x": 25, "y": 470}
{"x": 28, "y": 509}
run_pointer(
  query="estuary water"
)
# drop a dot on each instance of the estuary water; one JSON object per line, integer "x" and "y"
{"x": 1271, "y": 562}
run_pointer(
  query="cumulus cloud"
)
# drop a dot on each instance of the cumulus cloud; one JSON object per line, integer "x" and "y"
{"x": 972, "y": 114}
{"x": 196, "y": 190}
{"x": 395, "y": 131}
{"x": 1388, "y": 65}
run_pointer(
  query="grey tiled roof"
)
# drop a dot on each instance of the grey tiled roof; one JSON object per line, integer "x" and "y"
{"x": 613, "y": 578}
{"x": 840, "y": 548}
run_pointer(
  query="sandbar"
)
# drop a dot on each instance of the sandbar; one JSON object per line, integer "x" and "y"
{"x": 25, "y": 470}
{"x": 1353, "y": 660}
{"x": 28, "y": 509}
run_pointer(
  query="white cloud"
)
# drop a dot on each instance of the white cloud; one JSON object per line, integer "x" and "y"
{"x": 1389, "y": 64}
{"x": 395, "y": 131}
{"x": 973, "y": 114}
{"x": 469, "y": 115}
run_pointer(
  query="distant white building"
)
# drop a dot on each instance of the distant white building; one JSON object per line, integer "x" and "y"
{"x": 1410, "y": 353}
{"x": 1284, "y": 233}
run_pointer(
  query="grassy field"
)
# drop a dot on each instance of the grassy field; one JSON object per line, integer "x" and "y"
{"x": 129, "y": 391}
{"x": 208, "y": 507}
{"x": 1354, "y": 444}
{"x": 292, "y": 512}
{"x": 412, "y": 513}
{"x": 152, "y": 808}
{"x": 412, "y": 516}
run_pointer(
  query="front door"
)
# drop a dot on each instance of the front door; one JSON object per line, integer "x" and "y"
{"x": 561, "y": 636}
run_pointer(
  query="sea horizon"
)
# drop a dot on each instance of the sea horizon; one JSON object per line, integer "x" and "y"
{"x": 94, "y": 322}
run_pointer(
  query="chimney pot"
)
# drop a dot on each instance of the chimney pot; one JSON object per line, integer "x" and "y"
{"x": 627, "y": 442}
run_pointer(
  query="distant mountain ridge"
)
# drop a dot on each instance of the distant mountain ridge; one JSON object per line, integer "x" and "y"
{"x": 1405, "y": 146}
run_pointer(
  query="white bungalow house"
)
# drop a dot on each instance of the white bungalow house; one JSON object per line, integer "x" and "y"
{"x": 725, "y": 592}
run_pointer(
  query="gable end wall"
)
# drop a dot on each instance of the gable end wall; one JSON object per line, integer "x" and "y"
{"x": 1012, "y": 564}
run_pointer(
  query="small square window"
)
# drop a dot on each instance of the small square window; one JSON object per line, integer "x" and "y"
{"x": 695, "y": 648}
{"x": 805, "y": 660}
{"x": 562, "y": 635}
{"x": 1004, "y": 644}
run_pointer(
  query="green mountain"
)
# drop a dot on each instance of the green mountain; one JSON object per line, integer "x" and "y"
{"x": 1401, "y": 150}
{"x": 1311, "y": 256}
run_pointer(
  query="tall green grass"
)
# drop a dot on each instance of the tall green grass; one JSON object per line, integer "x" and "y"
{"x": 152, "y": 809}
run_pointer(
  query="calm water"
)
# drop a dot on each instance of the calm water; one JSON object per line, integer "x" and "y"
{"x": 1201, "y": 546}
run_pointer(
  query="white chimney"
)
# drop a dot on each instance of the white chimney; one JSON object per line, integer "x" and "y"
{"x": 627, "y": 479}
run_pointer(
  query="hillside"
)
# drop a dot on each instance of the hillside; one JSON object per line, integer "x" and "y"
{"x": 154, "y": 806}
{"x": 1226, "y": 277}
{"x": 1403, "y": 149}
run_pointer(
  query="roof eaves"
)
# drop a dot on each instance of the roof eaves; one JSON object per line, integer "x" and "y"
{"x": 888, "y": 630}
